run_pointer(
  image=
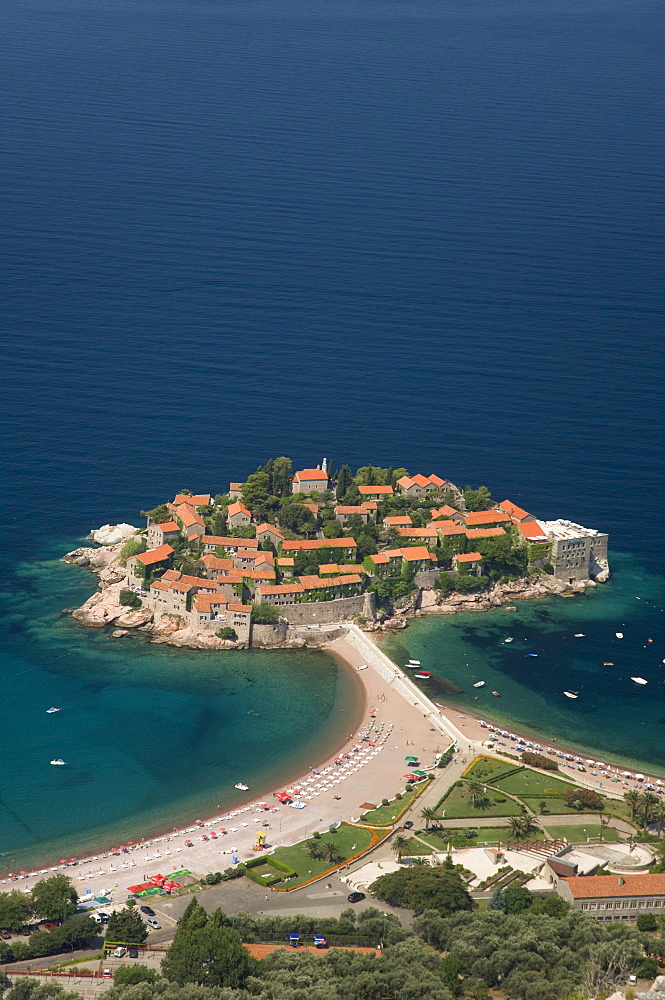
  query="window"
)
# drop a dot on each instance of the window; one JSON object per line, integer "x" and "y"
{"x": 585, "y": 906}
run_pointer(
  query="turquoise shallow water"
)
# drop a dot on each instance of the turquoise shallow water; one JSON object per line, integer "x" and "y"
{"x": 153, "y": 736}
{"x": 612, "y": 715}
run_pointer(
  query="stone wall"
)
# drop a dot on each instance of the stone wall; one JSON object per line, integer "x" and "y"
{"x": 426, "y": 578}
{"x": 326, "y": 612}
{"x": 269, "y": 635}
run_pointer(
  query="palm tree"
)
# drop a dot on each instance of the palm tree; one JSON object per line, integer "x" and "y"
{"x": 632, "y": 798}
{"x": 314, "y": 850}
{"x": 476, "y": 791}
{"x": 659, "y": 814}
{"x": 647, "y": 803}
{"x": 520, "y": 826}
{"x": 330, "y": 853}
{"x": 428, "y": 814}
{"x": 399, "y": 845}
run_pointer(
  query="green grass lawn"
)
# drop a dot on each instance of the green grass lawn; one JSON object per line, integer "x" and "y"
{"x": 486, "y": 835}
{"x": 456, "y": 805}
{"x": 488, "y": 769}
{"x": 417, "y": 847}
{"x": 347, "y": 839}
{"x": 532, "y": 784}
{"x": 579, "y": 834}
{"x": 386, "y": 815}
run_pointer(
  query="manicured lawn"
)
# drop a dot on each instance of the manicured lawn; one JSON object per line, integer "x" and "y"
{"x": 348, "y": 840}
{"x": 486, "y": 835}
{"x": 489, "y": 769}
{"x": 456, "y": 804}
{"x": 386, "y": 815}
{"x": 417, "y": 847}
{"x": 579, "y": 834}
{"x": 532, "y": 784}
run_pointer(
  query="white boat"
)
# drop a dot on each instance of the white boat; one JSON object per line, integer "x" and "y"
{"x": 639, "y": 680}
{"x": 50, "y": 711}
{"x": 58, "y": 761}
{"x": 580, "y": 635}
{"x": 571, "y": 694}
{"x": 412, "y": 666}
{"x": 363, "y": 666}
{"x": 479, "y": 684}
{"x": 619, "y": 635}
{"x": 243, "y": 788}
{"x": 415, "y": 663}
{"x": 509, "y": 639}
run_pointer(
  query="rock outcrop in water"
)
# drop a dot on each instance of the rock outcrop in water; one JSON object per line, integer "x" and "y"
{"x": 111, "y": 534}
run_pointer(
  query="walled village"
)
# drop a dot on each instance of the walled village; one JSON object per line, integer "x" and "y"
{"x": 275, "y": 558}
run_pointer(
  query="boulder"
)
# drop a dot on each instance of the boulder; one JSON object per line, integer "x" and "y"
{"x": 134, "y": 619}
{"x": 111, "y": 534}
{"x": 119, "y": 633}
{"x": 428, "y": 599}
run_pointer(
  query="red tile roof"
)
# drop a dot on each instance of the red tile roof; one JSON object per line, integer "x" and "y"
{"x": 316, "y": 583}
{"x": 533, "y": 531}
{"x": 415, "y": 553}
{"x": 235, "y": 486}
{"x": 245, "y": 554}
{"x": 286, "y": 561}
{"x": 167, "y": 526}
{"x": 269, "y": 527}
{"x": 405, "y": 482}
{"x": 369, "y": 505}
{"x": 469, "y": 557}
{"x": 238, "y": 508}
{"x": 449, "y": 528}
{"x": 361, "y": 509}
{"x": 264, "y": 557}
{"x": 313, "y": 507}
{"x": 436, "y": 480}
{"x": 476, "y": 518}
{"x": 445, "y": 511}
{"x": 329, "y": 568}
{"x": 199, "y": 500}
{"x": 511, "y": 508}
{"x": 188, "y": 515}
{"x": 319, "y": 543}
{"x": 310, "y": 475}
{"x": 214, "y": 562}
{"x": 604, "y": 886}
{"x": 154, "y": 555}
{"x": 483, "y": 532}
{"x": 283, "y": 588}
{"x": 171, "y": 574}
{"x": 205, "y": 602}
{"x": 379, "y": 558}
{"x": 417, "y": 533}
{"x": 370, "y": 491}
{"x": 228, "y": 542}
{"x": 245, "y": 608}
{"x": 397, "y": 520}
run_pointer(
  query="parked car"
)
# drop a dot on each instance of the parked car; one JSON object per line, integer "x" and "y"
{"x": 104, "y": 917}
{"x": 47, "y": 924}
{"x": 408, "y": 825}
{"x": 151, "y": 922}
{"x": 5, "y": 935}
{"x": 356, "y": 897}
{"x": 148, "y": 910}
{"x": 120, "y": 952}
{"x": 133, "y": 952}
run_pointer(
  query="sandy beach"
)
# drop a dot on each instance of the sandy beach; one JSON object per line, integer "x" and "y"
{"x": 398, "y": 721}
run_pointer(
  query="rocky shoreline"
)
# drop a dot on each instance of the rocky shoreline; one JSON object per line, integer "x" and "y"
{"x": 104, "y": 609}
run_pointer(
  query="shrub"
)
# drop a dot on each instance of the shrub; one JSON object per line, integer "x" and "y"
{"x": 647, "y": 922}
{"x": 648, "y": 969}
{"x": 583, "y": 798}
{"x": 132, "y": 547}
{"x": 385, "y": 802}
{"x": 539, "y": 760}
{"x": 265, "y": 614}
{"x": 226, "y": 633}
{"x": 129, "y": 599}
{"x": 399, "y": 795}
{"x": 128, "y": 975}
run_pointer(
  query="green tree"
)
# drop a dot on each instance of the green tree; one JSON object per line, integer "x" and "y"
{"x": 584, "y": 798}
{"x": 497, "y": 900}
{"x": 132, "y": 547}
{"x": 32, "y": 989}
{"x": 344, "y": 480}
{"x": 158, "y": 514}
{"x": 226, "y": 632}
{"x": 265, "y": 614}
{"x": 220, "y": 524}
{"x": 126, "y": 926}
{"x": 400, "y": 845}
{"x": 256, "y": 492}
{"x": 647, "y": 922}
{"x": 314, "y": 850}
{"x": 332, "y": 529}
{"x": 297, "y": 518}
{"x": 129, "y": 975}
{"x": 194, "y": 917}
{"x": 632, "y": 797}
{"x": 480, "y": 499}
{"x": 331, "y": 853}
{"x": 15, "y": 910}
{"x": 476, "y": 791}
{"x": 424, "y": 889}
{"x": 129, "y": 599}
{"x": 211, "y": 955}
{"x": 517, "y": 898}
{"x": 428, "y": 814}
{"x": 54, "y": 898}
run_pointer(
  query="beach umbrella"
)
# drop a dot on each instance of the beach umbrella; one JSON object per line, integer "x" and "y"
{"x": 590, "y": 762}
{"x": 23, "y": 873}
{"x": 63, "y": 861}
{"x": 411, "y": 760}
{"x": 72, "y": 859}
{"x": 420, "y": 774}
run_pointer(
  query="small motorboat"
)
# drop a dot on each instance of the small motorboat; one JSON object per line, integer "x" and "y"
{"x": 424, "y": 675}
{"x": 571, "y": 694}
{"x": 639, "y": 680}
{"x": 243, "y": 788}
{"x": 59, "y": 761}
{"x": 497, "y": 694}
{"x": 479, "y": 684}
{"x": 532, "y": 654}
{"x": 608, "y": 663}
{"x": 50, "y": 711}
{"x": 363, "y": 666}
{"x": 509, "y": 639}
{"x": 411, "y": 666}
{"x": 619, "y": 635}
{"x": 580, "y": 635}
{"x": 416, "y": 663}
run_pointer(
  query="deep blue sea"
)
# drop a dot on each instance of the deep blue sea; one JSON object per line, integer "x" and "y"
{"x": 411, "y": 233}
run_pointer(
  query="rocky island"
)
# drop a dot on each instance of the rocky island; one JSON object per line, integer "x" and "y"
{"x": 285, "y": 558}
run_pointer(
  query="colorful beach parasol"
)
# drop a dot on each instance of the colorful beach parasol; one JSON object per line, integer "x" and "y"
{"x": 411, "y": 760}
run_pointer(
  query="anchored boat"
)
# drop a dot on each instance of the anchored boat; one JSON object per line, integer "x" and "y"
{"x": 479, "y": 684}
{"x": 639, "y": 680}
{"x": 243, "y": 788}
{"x": 58, "y": 761}
{"x": 571, "y": 694}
